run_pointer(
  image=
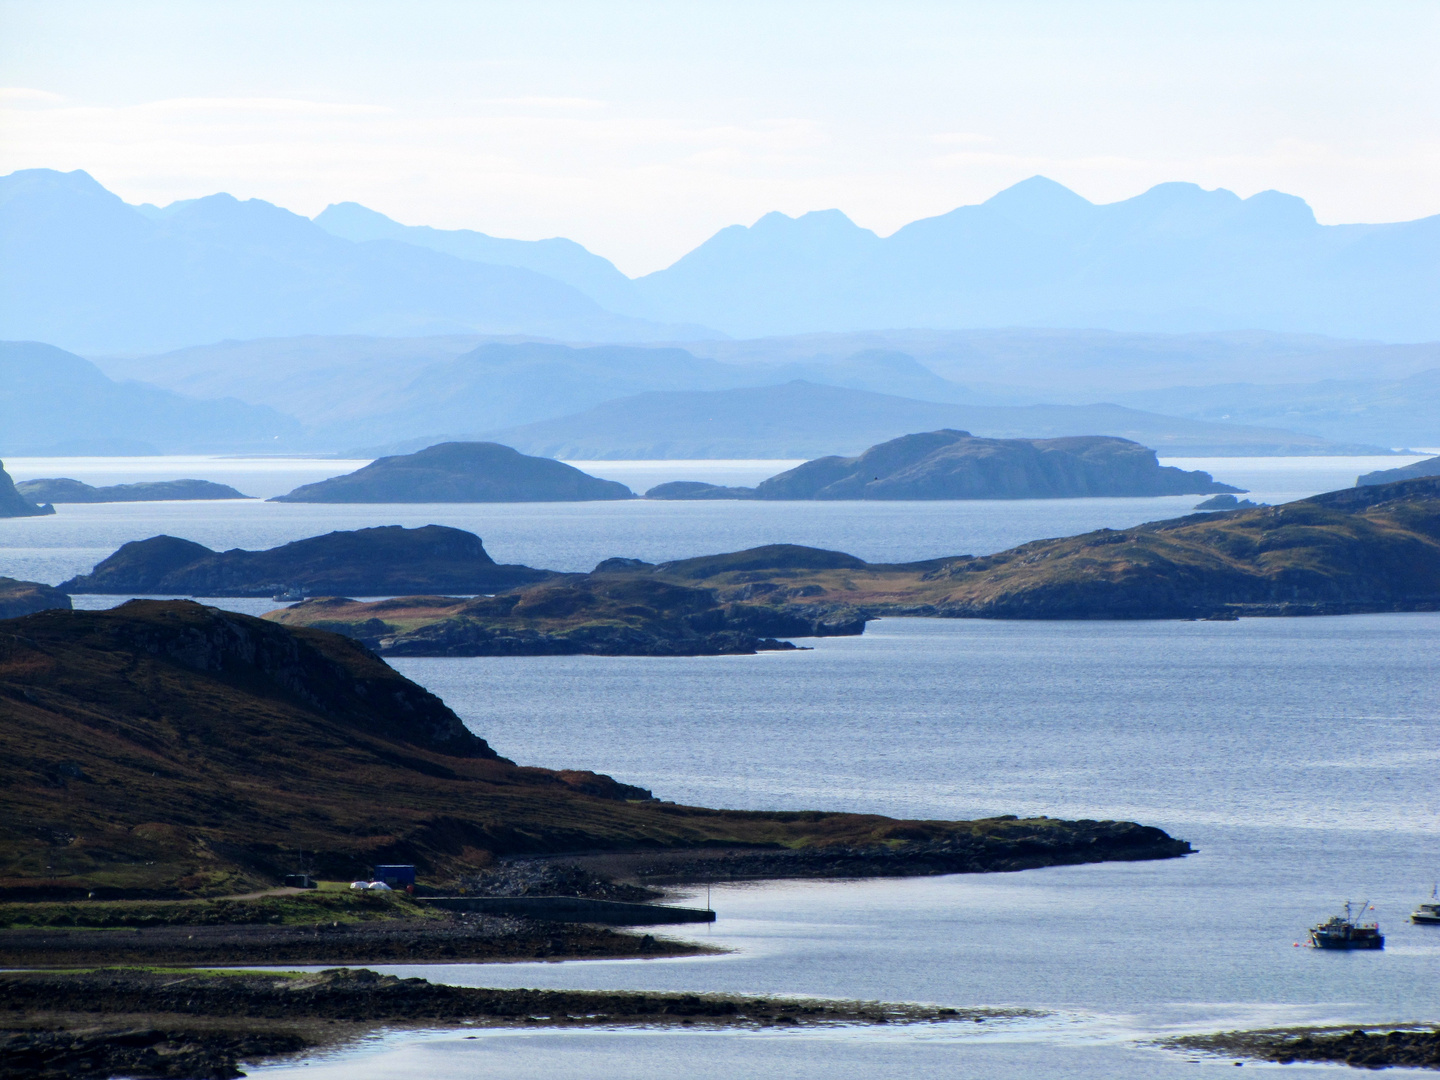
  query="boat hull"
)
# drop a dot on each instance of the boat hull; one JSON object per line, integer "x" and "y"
{"x": 1326, "y": 942}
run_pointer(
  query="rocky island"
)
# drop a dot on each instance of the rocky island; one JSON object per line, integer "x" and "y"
{"x": 461, "y": 472}
{"x": 600, "y": 614}
{"x": 64, "y": 490}
{"x": 951, "y": 464}
{"x": 366, "y": 562}
{"x": 14, "y": 504}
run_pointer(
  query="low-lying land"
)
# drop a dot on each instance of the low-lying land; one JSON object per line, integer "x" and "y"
{"x": 164, "y": 748}
{"x": 99, "y": 1024}
{"x": 27, "y": 597}
{"x": 1401, "y": 1046}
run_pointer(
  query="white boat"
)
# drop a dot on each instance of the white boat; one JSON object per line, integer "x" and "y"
{"x": 1428, "y": 912}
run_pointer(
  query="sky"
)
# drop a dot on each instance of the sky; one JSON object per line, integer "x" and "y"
{"x": 639, "y": 128}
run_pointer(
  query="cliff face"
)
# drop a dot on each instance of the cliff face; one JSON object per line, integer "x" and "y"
{"x": 14, "y": 504}
{"x": 956, "y": 465}
{"x": 461, "y": 472}
{"x": 378, "y": 561}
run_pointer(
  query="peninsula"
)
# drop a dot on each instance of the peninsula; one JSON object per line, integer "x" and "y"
{"x": 366, "y": 562}
{"x": 461, "y": 472}
{"x": 64, "y": 490}
{"x": 1428, "y": 467}
{"x": 164, "y": 748}
{"x": 13, "y": 503}
{"x": 949, "y": 464}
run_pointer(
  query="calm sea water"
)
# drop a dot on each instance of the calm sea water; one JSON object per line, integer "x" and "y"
{"x": 1300, "y": 756}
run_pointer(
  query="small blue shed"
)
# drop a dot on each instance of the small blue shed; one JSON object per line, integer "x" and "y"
{"x": 397, "y": 877}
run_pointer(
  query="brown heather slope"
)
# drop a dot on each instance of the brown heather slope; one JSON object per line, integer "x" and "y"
{"x": 167, "y": 748}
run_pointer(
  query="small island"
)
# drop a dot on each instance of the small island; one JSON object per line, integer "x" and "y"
{"x": 64, "y": 490}
{"x": 951, "y": 464}
{"x": 365, "y": 562}
{"x": 459, "y": 472}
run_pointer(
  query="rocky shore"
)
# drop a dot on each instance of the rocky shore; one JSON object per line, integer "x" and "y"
{"x": 461, "y": 938}
{"x": 147, "y": 1024}
{"x": 1407, "y": 1047}
{"x": 1011, "y": 845}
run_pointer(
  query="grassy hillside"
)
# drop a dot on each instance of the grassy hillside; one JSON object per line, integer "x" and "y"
{"x": 168, "y": 748}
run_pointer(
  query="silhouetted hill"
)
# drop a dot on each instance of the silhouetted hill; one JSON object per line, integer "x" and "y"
{"x": 86, "y": 271}
{"x": 955, "y": 465}
{"x": 802, "y": 420}
{"x": 461, "y": 472}
{"x": 64, "y": 490}
{"x": 15, "y": 504}
{"x": 558, "y": 258}
{"x": 1428, "y": 467}
{"x": 53, "y": 402}
{"x": 367, "y": 562}
{"x": 1176, "y": 258}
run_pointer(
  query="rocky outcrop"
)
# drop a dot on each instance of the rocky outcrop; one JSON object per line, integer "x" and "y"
{"x": 27, "y": 597}
{"x": 695, "y": 489}
{"x": 1419, "y": 470}
{"x": 13, "y": 503}
{"x": 598, "y": 615}
{"x": 380, "y": 561}
{"x": 461, "y": 472}
{"x": 64, "y": 490}
{"x": 951, "y": 464}
{"x": 1227, "y": 502}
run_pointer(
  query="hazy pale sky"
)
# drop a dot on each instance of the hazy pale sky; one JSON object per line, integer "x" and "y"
{"x": 640, "y": 128}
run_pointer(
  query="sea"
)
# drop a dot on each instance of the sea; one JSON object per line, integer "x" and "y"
{"x": 1301, "y": 757}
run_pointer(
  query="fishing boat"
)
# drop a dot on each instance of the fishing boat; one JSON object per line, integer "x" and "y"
{"x": 1428, "y": 912}
{"x": 1344, "y": 932}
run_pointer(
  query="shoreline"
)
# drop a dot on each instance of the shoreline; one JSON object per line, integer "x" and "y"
{"x": 98, "y": 1024}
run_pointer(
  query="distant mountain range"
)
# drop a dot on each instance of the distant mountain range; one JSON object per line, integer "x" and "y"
{"x": 803, "y": 420}
{"x": 56, "y": 403}
{"x": 354, "y": 330}
{"x": 82, "y": 269}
